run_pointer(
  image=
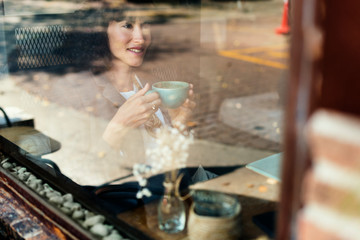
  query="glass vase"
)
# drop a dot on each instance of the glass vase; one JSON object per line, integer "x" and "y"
{"x": 171, "y": 209}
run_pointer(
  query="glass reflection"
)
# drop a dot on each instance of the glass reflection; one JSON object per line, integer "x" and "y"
{"x": 84, "y": 71}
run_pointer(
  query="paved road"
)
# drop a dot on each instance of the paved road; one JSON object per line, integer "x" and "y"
{"x": 233, "y": 57}
{"x": 228, "y": 53}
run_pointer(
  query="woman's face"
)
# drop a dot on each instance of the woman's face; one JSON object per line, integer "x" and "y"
{"x": 129, "y": 40}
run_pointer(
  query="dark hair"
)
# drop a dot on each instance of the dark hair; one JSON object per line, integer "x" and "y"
{"x": 88, "y": 41}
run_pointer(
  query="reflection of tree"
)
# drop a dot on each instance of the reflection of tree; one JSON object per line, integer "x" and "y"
{"x": 81, "y": 40}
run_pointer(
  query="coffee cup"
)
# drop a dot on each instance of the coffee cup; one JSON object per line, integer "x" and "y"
{"x": 172, "y": 93}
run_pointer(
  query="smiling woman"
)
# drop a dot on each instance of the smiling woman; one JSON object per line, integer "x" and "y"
{"x": 112, "y": 47}
{"x": 115, "y": 46}
{"x": 129, "y": 40}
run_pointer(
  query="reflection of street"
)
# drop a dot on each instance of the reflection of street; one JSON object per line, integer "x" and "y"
{"x": 255, "y": 119}
{"x": 234, "y": 59}
{"x": 258, "y": 116}
{"x": 237, "y": 54}
{"x": 272, "y": 56}
{"x": 244, "y": 61}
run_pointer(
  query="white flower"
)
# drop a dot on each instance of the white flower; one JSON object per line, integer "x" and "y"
{"x": 142, "y": 182}
{"x": 146, "y": 192}
{"x": 171, "y": 153}
{"x": 143, "y": 192}
{"x": 139, "y": 194}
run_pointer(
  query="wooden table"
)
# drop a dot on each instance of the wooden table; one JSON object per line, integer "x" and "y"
{"x": 257, "y": 194}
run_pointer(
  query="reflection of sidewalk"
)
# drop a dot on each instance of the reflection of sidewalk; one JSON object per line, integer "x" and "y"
{"x": 259, "y": 115}
{"x": 236, "y": 140}
{"x": 82, "y": 156}
{"x": 85, "y": 158}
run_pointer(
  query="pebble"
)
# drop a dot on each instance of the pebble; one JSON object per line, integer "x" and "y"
{"x": 88, "y": 214}
{"x": 21, "y": 170}
{"x": 39, "y": 188}
{"x": 42, "y": 193}
{"x": 68, "y": 197}
{"x": 99, "y": 230}
{"x": 7, "y": 165}
{"x": 51, "y": 193}
{"x": 75, "y": 206}
{"x": 78, "y": 214}
{"x": 24, "y": 176}
{"x": 65, "y": 210}
{"x": 38, "y": 184}
{"x": 94, "y": 220}
{"x": 32, "y": 185}
{"x": 17, "y": 168}
{"x": 47, "y": 187}
{"x": 113, "y": 236}
{"x": 72, "y": 205}
{"x": 30, "y": 178}
{"x": 58, "y": 200}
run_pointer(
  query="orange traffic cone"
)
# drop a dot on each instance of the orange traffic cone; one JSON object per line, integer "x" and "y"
{"x": 284, "y": 28}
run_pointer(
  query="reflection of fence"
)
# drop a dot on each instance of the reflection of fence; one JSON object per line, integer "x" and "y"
{"x": 41, "y": 46}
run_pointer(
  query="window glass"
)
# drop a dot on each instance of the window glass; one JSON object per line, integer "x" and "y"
{"x": 79, "y": 70}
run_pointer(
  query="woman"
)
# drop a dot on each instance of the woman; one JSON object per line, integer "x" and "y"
{"x": 116, "y": 53}
{"x": 128, "y": 41}
{"x": 137, "y": 114}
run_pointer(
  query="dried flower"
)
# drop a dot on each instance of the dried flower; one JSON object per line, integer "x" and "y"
{"x": 170, "y": 154}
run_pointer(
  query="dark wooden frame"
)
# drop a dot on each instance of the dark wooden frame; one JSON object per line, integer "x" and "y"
{"x": 325, "y": 52}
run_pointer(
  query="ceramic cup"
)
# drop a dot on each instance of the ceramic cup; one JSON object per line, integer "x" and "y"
{"x": 172, "y": 93}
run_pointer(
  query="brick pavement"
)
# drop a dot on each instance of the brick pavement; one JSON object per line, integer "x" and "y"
{"x": 193, "y": 57}
{"x": 219, "y": 79}
{"x": 86, "y": 159}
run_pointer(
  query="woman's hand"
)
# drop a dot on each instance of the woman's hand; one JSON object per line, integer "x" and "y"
{"x": 182, "y": 114}
{"x": 134, "y": 112}
{"x": 137, "y": 109}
